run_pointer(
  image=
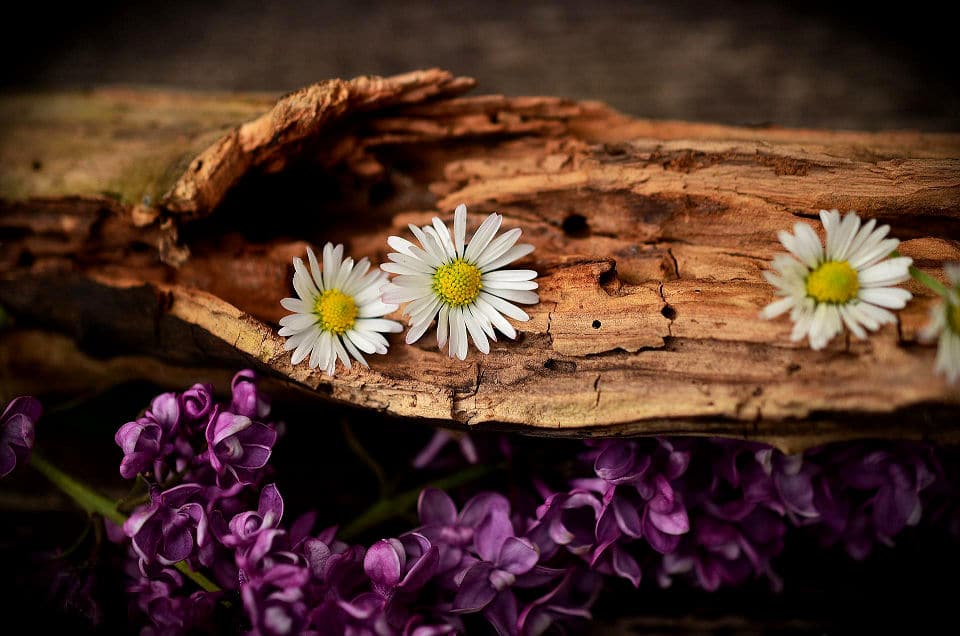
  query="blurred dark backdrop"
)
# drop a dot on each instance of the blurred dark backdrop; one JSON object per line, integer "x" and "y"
{"x": 796, "y": 64}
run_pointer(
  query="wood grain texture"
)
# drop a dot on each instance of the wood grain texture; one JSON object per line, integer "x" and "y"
{"x": 651, "y": 238}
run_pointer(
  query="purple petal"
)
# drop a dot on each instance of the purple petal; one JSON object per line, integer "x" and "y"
{"x": 491, "y": 534}
{"x": 628, "y": 515}
{"x": 502, "y": 614}
{"x": 615, "y": 461}
{"x": 518, "y": 556}
{"x": 271, "y": 503}
{"x": 475, "y": 591}
{"x": 25, "y": 405}
{"x": 673, "y": 522}
{"x": 384, "y": 562}
{"x": 625, "y": 565}
{"x": 435, "y": 507}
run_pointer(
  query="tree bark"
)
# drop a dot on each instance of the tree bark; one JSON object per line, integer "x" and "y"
{"x": 163, "y": 225}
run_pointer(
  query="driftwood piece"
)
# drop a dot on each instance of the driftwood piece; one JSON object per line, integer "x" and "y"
{"x": 651, "y": 238}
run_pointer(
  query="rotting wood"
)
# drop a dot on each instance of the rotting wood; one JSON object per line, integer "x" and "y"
{"x": 651, "y": 238}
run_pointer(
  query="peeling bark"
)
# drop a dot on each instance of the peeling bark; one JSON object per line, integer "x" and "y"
{"x": 651, "y": 238}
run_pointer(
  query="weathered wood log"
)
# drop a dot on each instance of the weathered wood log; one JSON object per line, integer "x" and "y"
{"x": 164, "y": 225}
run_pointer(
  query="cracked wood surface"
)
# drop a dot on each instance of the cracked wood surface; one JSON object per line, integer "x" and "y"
{"x": 651, "y": 238}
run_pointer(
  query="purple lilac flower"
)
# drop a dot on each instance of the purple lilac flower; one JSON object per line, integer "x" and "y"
{"x": 571, "y": 599}
{"x": 451, "y": 531}
{"x": 238, "y": 447}
{"x": 245, "y": 527}
{"x": 196, "y": 406}
{"x": 171, "y": 527}
{"x": 503, "y": 560}
{"x": 160, "y": 598}
{"x": 867, "y": 494}
{"x": 149, "y": 439}
{"x": 274, "y": 600}
{"x": 247, "y": 399}
{"x": 17, "y": 432}
{"x": 441, "y": 438}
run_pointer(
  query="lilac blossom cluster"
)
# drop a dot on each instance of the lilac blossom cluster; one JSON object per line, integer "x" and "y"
{"x": 17, "y": 432}
{"x": 710, "y": 513}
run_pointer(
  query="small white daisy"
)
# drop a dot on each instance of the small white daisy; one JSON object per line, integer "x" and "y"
{"x": 458, "y": 283}
{"x": 944, "y": 326}
{"x": 848, "y": 283}
{"x": 338, "y": 311}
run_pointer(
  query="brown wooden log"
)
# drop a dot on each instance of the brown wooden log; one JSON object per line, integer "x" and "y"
{"x": 146, "y": 223}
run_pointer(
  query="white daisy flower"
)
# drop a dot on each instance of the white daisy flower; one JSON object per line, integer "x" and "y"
{"x": 459, "y": 283}
{"x": 944, "y": 326}
{"x": 850, "y": 282}
{"x": 338, "y": 311}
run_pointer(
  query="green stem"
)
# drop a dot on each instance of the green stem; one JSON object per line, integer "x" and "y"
{"x": 95, "y": 503}
{"x": 929, "y": 281}
{"x": 386, "y": 509}
{"x": 89, "y": 500}
{"x": 361, "y": 452}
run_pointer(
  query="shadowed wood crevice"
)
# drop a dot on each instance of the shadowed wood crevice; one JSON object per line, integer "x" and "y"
{"x": 651, "y": 240}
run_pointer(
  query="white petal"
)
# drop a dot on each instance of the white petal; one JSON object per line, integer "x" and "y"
{"x": 454, "y": 344}
{"x": 305, "y": 346}
{"x": 432, "y": 252}
{"x": 515, "y": 295}
{"x": 880, "y": 315}
{"x": 298, "y": 322}
{"x": 866, "y": 258}
{"x": 329, "y": 263}
{"x": 889, "y": 297}
{"x": 509, "y": 275}
{"x": 777, "y": 308}
{"x": 884, "y": 273}
{"x": 400, "y": 244}
{"x": 294, "y": 341}
{"x": 354, "y": 281}
{"x": 952, "y": 271}
{"x": 302, "y": 282}
{"x": 363, "y": 343}
{"x": 460, "y": 228}
{"x": 295, "y": 305}
{"x": 845, "y": 234}
{"x": 392, "y": 294}
{"x": 355, "y": 353}
{"x": 443, "y": 326}
{"x": 324, "y": 352}
{"x": 417, "y": 330}
{"x": 461, "y": 326}
{"x": 341, "y": 352}
{"x": 867, "y": 243}
{"x": 481, "y": 239}
{"x": 481, "y": 319}
{"x": 496, "y": 318}
{"x": 424, "y": 311}
{"x": 476, "y": 332}
{"x": 866, "y": 230}
{"x": 938, "y": 320}
{"x": 498, "y": 247}
{"x": 375, "y": 309}
{"x": 315, "y": 269}
{"x": 442, "y": 234}
{"x": 803, "y": 243}
{"x": 510, "y": 284}
{"x": 512, "y": 254}
{"x": 504, "y": 307}
{"x": 379, "y": 324}
{"x": 343, "y": 273}
{"x": 850, "y": 320}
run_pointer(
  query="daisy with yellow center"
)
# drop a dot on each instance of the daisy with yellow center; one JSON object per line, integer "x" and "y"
{"x": 338, "y": 312}
{"x": 944, "y": 327}
{"x": 460, "y": 282}
{"x": 850, "y": 282}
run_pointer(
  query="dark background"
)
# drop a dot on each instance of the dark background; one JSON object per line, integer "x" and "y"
{"x": 860, "y": 66}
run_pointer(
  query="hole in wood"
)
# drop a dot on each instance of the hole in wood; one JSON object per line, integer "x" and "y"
{"x": 596, "y": 324}
{"x": 576, "y": 226}
{"x": 668, "y": 312}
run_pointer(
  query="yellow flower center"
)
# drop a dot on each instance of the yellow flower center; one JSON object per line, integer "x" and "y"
{"x": 833, "y": 282}
{"x": 336, "y": 310}
{"x": 953, "y": 318}
{"x": 457, "y": 283}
